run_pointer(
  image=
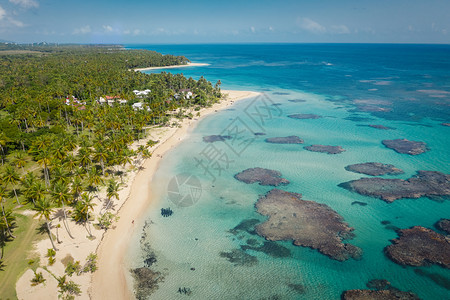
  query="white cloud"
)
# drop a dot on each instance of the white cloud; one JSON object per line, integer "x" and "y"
{"x": 2, "y": 13}
{"x": 339, "y": 29}
{"x": 16, "y": 23}
{"x": 310, "y": 25}
{"x": 107, "y": 28}
{"x": 8, "y": 21}
{"x": 26, "y": 3}
{"x": 253, "y": 29}
{"x": 270, "y": 28}
{"x": 82, "y": 30}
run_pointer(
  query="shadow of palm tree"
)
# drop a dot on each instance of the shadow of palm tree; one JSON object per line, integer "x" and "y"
{"x": 91, "y": 189}
{"x": 59, "y": 214}
{"x": 2, "y": 266}
{"x": 42, "y": 229}
{"x": 111, "y": 204}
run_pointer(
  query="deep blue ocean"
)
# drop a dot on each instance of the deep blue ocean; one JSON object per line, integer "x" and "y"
{"x": 403, "y": 87}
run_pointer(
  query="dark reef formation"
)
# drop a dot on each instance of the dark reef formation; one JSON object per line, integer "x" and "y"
{"x": 443, "y": 225}
{"x": 247, "y": 225}
{"x": 166, "y": 212}
{"x": 263, "y": 176}
{"x": 383, "y": 290}
{"x": 304, "y": 116}
{"x": 424, "y": 184}
{"x": 381, "y": 127}
{"x": 358, "y": 118}
{"x": 359, "y": 203}
{"x": 145, "y": 281}
{"x": 307, "y": 223}
{"x": 378, "y": 295}
{"x": 374, "y": 169}
{"x": 268, "y": 247}
{"x": 378, "y": 284}
{"x": 435, "y": 277}
{"x": 259, "y": 133}
{"x": 239, "y": 258}
{"x": 373, "y": 105}
{"x": 216, "y": 138}
{"x": 297, "y": 287}
{"x": 325, "y": 149}
{"x": 419, "y": 246}
{"x": 292, "y": 139}
{"x": 297, "y": 100}
{"x": 405, "y": 146}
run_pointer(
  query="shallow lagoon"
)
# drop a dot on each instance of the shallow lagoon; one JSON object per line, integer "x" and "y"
{"x": 195, "y": 236}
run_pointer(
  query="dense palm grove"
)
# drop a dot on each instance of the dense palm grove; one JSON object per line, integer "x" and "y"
{"x": 57, "y": 153}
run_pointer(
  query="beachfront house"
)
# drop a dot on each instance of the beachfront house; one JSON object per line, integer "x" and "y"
{"x": 141, "y": 94}
{"x": 137, "y": 105}
{"x": 111, "y": 100}
{"x": 184, "y": 92}
{"x": 73, "y": 101}
{"x": 140, "y": 106}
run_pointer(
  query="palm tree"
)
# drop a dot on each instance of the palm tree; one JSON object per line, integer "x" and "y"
{"x": 28, "y": 179}
{"x": 3, "y": 141}
{"x": 82, "y": 211}
{"x": 20, "y": 160}
{"x": 4, "y": 212}
{"x": 69, "y": 143}
{"x": 143, "y": 153}
{"x": 59, "y": 175}
{"x": 76, "y": 187}
{"x": 10, "y": 177}
{"x": 101, "y": 156}
{"x": 59, "y": 150}
{"x": 44, "y": 158}
{"x": 70, "y": 163}
{"x": 94, "y": 178}
{"x": 44, "y": 210}
{"x": 112, "y": 191}
{"x": 84, "y": 156}
{"x": 61, "y": 196}
{"x": 37, "y": 191}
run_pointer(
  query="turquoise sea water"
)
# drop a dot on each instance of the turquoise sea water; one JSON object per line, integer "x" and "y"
{"x": 411, "y": 81}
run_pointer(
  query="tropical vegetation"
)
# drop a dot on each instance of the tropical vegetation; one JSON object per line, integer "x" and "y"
{"x": 60, "y": 143}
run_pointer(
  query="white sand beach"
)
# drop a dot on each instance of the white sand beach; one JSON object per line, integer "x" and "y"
{"x": 109, "y": 281}
{"x": 173, "y": 67}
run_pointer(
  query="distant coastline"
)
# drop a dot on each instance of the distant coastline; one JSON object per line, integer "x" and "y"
{"x": 173, "y": 67}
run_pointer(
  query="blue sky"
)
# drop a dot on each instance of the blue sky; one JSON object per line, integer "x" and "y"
{"x": 231, "y": 21}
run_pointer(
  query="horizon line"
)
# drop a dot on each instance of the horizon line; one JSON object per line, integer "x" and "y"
{"x": 228, "y": 43}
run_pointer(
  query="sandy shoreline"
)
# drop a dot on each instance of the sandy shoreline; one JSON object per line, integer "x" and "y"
{"x": 109, "y": 281}
{"x": 173, "y": 67}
